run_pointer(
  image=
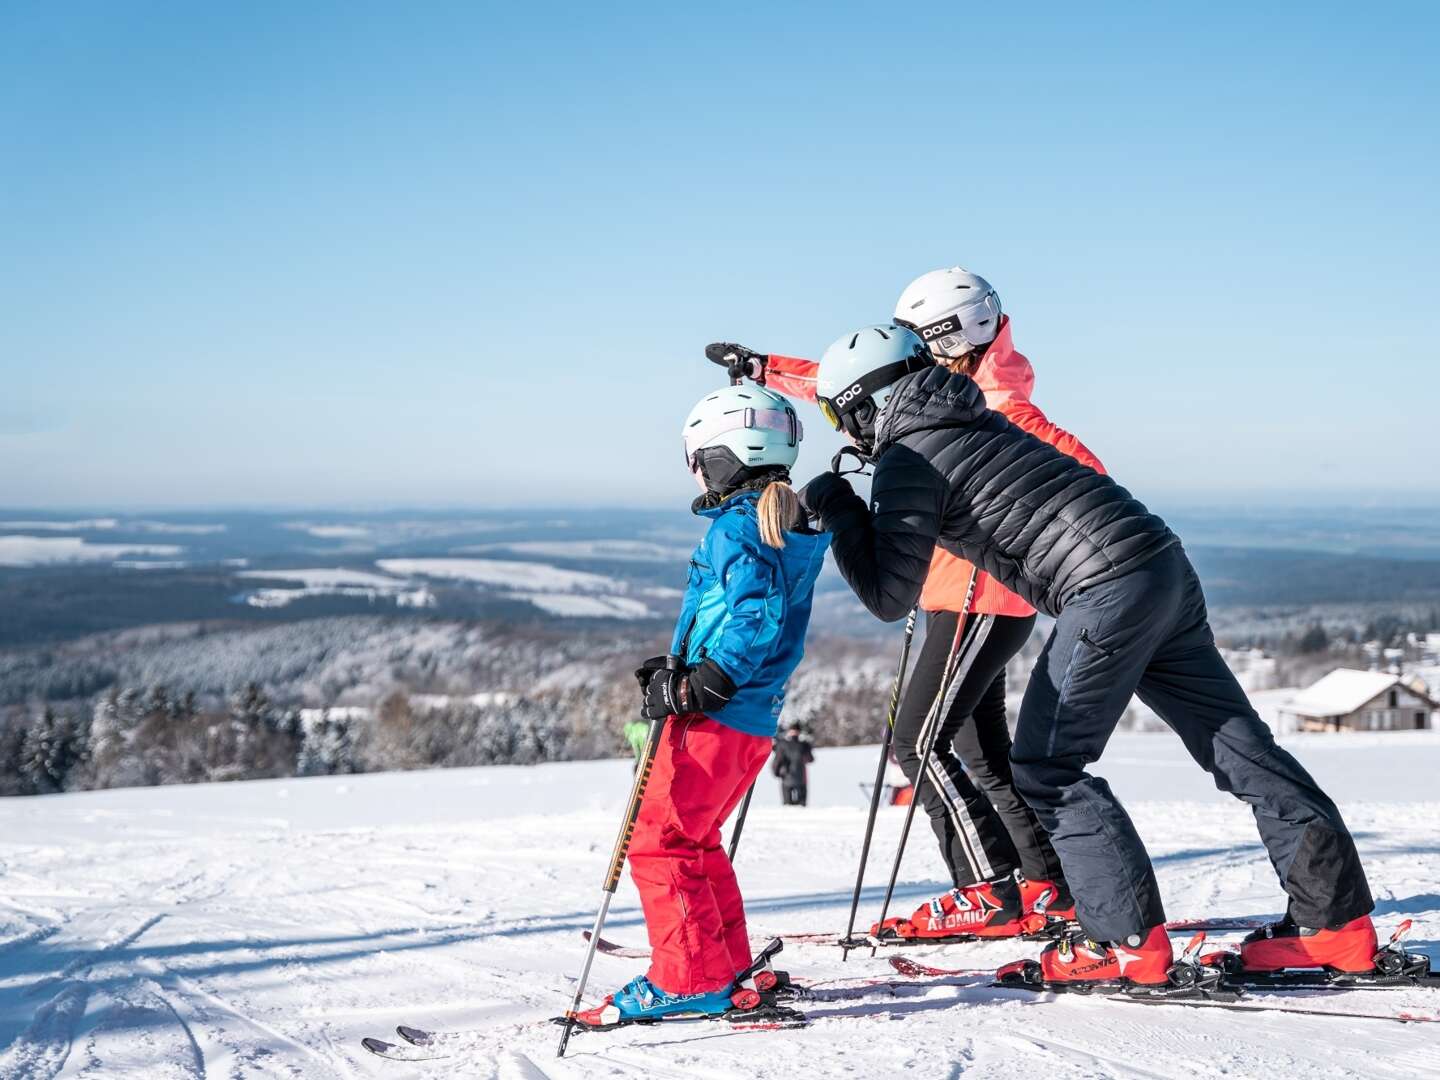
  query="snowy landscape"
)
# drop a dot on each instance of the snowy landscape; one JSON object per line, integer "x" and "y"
{"x": 262, "y": 929}
{"x": 379, "y": 381}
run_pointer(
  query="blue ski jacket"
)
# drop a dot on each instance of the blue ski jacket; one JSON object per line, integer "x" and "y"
{"x": 747, "y": 608}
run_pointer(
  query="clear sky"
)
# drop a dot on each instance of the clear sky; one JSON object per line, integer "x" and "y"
{"x": 438, "y": 254}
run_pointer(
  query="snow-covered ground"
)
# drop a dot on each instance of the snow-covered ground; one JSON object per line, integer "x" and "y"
{"x": 260, "y": 929}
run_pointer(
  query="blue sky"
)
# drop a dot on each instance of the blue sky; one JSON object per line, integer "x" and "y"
{"x": 443, "y": 254}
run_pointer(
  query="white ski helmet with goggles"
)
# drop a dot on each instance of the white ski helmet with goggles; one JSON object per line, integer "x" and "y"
{"x": 953, "y": 311}
{"x": 736, "y": 429}
{"x": 858, "y": 372}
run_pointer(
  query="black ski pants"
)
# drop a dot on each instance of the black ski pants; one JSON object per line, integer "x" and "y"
{"x": 1148, "y": 633}
{"x": 984, "y": 827}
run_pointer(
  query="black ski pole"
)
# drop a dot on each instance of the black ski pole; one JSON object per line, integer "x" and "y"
{"x": 617, "y": 857}
{"x": 955, "y": 668}
{"x": 887, "y": 739}
{"x": 740, "y": 820}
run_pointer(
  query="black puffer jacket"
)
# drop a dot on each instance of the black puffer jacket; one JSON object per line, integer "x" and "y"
{"x": 948, "y": 469}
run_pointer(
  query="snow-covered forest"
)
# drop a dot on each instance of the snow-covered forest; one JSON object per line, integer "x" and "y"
{"x": 182, "y": 704}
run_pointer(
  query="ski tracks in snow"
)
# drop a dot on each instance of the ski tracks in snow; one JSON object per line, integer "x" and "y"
{"x": 141, "y": 944}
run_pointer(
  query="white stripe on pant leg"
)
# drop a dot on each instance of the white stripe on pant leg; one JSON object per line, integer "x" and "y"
{"x": 975, "y": 854}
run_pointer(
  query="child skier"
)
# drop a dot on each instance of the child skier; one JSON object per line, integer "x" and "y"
{"x": 741, "y": 633}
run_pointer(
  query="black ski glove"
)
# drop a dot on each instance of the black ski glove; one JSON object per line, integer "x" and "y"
{"x": 647, "y": 669}
{"x": 738, "y": 361}
{"x": 705, "y": 689}
{"x": 822, "y": 492}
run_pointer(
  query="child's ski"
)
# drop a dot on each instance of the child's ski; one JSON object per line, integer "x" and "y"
{"x": 406, "y": 1051}
{"x": 641, "y": 952}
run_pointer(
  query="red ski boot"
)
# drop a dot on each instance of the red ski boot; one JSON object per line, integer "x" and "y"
{"x": 990, "y": 909}
{"x": 1351, "y": 948}
{"x": 1286, "y": 956}
{"x": 1044, "y": 904}
{"x": 1077, "y": 963}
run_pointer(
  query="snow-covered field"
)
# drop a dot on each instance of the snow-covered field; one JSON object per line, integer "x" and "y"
{"x": 47, "y": 550}
{"x": 260, "y": 929}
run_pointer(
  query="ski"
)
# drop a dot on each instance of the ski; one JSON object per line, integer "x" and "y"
{"x": 1049, "y": 933}
{"x": 420, "y": 1044}
{"x": 1179, "y": 926}
{"x": 1245, "y": 1003}
{"x": 611, "y": 948}
{"x": 1220, "y": 924}
{"x": 1221, "y": 997}
{"x": 894, "y": 941}
{"x": 432, "y": 1040}
{"x": 1215, "y": 996}
{"x": 635, "y": 952}
{"x": 404, "y": 1051}
{"x": 764, "y": 1017}
{"x": 913, "y": 970}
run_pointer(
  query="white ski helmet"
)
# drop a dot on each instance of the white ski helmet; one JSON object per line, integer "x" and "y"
{"x": 953, "y": 311}
{"x": 738, "y": 428}
{"x": 858, "y": 372}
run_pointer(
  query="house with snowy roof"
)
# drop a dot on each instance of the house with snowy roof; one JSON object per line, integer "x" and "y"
{"x": 1350, "y": 700}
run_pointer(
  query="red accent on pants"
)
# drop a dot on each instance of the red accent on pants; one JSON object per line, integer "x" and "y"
{"x": 693, "y": 910}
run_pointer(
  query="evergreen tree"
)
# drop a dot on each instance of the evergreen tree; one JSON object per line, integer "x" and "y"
{"x": 1314, "y": 640}
{"x": 51, "y": 748}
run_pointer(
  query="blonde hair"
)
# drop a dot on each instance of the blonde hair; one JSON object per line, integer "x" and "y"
{"x": 778, "y": 510}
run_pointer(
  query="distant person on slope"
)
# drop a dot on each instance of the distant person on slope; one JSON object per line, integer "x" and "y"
{"x": 1007, "y": 879}
{"x": 793, "y": 755}
{"x": 1130, "y": 618}
{"x": 741, "y": 632}
{"x": 635, "y": 733}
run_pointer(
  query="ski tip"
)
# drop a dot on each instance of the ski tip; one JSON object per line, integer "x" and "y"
{"x": 414, "y": 1036}
{"x": 377, "y": 1046}
{"x": 905, "y": 966}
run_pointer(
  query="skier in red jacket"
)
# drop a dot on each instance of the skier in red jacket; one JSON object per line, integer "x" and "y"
{"x": 1007, "y": 879}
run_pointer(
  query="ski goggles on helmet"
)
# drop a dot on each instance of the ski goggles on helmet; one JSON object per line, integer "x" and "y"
{"x": 962, "y": 330}
{"x": 858, "y": 398}
{"x": 706, "y": 432}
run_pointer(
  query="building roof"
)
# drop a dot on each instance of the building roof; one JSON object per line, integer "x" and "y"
{"x": 1343, "y": 691}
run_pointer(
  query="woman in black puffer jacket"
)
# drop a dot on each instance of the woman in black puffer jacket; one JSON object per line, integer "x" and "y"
{"x": 1130, "y": 618}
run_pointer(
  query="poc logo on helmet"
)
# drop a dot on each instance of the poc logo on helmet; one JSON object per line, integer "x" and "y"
{"x": 847, "y": 396}
{"x": 940, "y": 329}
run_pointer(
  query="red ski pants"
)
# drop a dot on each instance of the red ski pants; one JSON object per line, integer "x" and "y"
{"x": 693, "y": 910}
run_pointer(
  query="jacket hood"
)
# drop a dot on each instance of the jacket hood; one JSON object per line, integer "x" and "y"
{"x": 1004, "y": 374}
{"x": 933, "y": 398}
{"x": 803, "y": 554}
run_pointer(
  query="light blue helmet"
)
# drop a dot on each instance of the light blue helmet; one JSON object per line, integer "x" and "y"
{"x": 858, "y": 373}
{"x": 740, "y": 428}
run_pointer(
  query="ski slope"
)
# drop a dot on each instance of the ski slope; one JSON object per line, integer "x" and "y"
{"x": 261, "y": 929}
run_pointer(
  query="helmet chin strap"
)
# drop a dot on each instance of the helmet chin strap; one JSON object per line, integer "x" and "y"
{"x": 837, "y": 463}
